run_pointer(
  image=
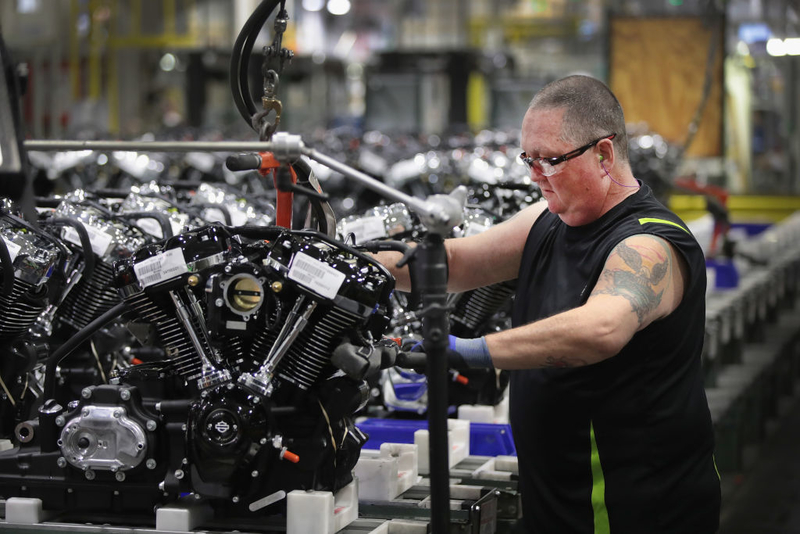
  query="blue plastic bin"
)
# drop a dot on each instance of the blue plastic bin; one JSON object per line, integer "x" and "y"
{"x": 485, "y": 439}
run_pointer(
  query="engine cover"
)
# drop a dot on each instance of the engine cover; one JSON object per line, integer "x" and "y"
{"x": 105, "y": 438}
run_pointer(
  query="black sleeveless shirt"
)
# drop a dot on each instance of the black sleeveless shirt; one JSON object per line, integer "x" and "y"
{"x": 624, "y": 445}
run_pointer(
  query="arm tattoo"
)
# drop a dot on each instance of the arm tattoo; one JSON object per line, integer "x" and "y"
{"x": 563, "y": 362}
{"x": 637, "y": 286}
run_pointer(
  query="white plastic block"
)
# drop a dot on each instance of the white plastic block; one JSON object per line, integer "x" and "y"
{"x": 321, "y": 512}
{"x": 182, "y": 516}
{"x": 497, "y": 468}
{"x": 457, "y": 439}
{"x": 476, "y": 413}
{"x": 25, "y": 510}
{"x": 404, "y": 526}
{"x": 385, "y": 474}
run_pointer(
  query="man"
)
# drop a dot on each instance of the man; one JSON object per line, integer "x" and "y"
{"x": 607, "y": 404}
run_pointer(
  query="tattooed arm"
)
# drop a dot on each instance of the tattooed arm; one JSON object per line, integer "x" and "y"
{"x": 641, "y": 282}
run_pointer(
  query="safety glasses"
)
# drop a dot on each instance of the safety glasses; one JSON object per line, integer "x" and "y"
{"x": 547, "y": 166}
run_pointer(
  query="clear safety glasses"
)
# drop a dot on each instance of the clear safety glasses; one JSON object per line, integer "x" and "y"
{"x": 547, "y": 166}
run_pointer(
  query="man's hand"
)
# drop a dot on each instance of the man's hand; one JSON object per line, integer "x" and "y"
{"x": 461, "y": 354}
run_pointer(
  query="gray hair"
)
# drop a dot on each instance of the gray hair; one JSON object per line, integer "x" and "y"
{"x": 591, "y": 111}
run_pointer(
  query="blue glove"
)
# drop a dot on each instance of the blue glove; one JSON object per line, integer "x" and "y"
{"x": 473, "y": 353}
{"x": 461, "y": 354}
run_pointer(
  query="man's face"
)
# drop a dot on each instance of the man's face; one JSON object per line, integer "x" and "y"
{"x": 574, "y": 191}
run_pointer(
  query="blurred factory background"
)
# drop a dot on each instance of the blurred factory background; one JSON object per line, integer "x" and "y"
{"x": 427, "y": 95}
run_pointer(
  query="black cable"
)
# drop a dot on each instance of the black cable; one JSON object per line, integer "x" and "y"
{"x": 240, "y": 59}
{"x": 73, "y": 343}
{"x": 161, "y": 218}
{"x": 86, "y": 243}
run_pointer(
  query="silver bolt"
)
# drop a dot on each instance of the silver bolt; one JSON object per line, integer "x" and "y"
{"x": 85, "y": 412}
{"x": 254, "y": 474}
{"x": 86, "y": 393}
{"x": 185, "y": 461}
{"x": 235, "y": 499}
{"x": 114, "y": 468}
{"x": 69, "y": 490}
{"x": 230, "y": 385}
{"x": 197, "y": 496}
{"x": 61, "y": 462}
{"x": 125, "y": 394}
{"x": 263, "y": 441}
{"x": 183, "y": 427}
{"x": 150, "y": 463}
{"x": 227, "y": 268}
{"x": 179, "y": 474}
{"x": 219, "y": 303}
{"x": 60, "y": 421}
{"x": 117, "y": 413}
{"x": 151, "y": 425}
{"x": 89, "y": 474}
{"x": 116, "y": 492}
{"x": 120, "y": 476}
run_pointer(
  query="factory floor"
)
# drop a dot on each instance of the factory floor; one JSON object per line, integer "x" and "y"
{"x": 765, "y": 497}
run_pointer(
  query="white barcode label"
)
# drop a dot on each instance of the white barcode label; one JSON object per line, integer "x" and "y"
{"x": 162, "y": 267}
{"x": 474, "y": 229}
{"x": 316, "y": 275}
{"x": 99, "y": 239}
{"x": 13, "y": 249}
{"x": 365, "y": 229}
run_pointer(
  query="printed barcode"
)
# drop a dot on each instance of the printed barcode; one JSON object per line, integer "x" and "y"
{"x": 149, "y": 268}
{"x": 303, "y": 277}
{"x": 146, "y": 280}
{"x": 307, "y": 266}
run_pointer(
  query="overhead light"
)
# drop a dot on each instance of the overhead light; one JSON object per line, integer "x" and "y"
{"x": 167, "y": 62}
{"x": 776, "y": 47}
{"x": 792, "y": 46}
{"x": 338, "y": 7}
{"x": 313, "y": 5}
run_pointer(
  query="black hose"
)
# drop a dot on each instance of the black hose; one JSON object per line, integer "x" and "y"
{"x": 240, "y": 59}
{"x": 257, "y": 232}
{"x": 161, "y": 218}
{"x": 73, "y": 343}
{"x": 303, "y": 171}
{"x": 86, "y": 243}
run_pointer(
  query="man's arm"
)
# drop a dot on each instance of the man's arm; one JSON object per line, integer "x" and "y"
{"x": 641, "y": 282}
{"x": 482, "y": 259}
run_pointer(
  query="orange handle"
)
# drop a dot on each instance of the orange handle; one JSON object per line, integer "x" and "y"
{"x": 284, "y": 200}
{"x": 461, "y": 379}
{"x": 287, "y": 455}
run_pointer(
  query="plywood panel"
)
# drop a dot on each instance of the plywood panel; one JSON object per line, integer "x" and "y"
{"x": 657, "y": 70}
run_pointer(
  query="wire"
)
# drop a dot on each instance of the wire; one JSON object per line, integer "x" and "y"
{"x": 330, "y": 431}
{"x": 99, "y": 365}
{"x": 11, "y": 398}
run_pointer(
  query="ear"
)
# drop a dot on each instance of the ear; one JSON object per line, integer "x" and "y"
{"x": 605, "y": 150}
